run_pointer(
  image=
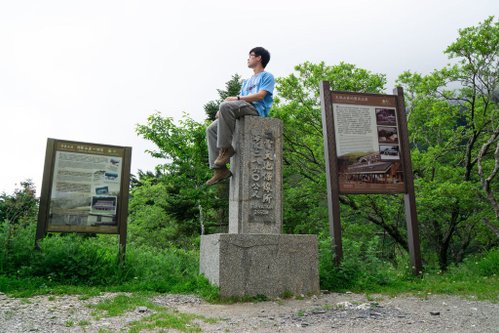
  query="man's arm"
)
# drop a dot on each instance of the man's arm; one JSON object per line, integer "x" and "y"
{"x": 249, "y": 98}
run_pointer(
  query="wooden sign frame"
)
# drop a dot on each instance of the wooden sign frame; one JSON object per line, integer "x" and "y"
{"x": 366, "y": 150}
{"x": 84, "y": 189}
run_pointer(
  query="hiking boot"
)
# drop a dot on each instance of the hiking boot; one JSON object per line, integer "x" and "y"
{"x": 224, "y": 156}
{"x": 219, "y": 174}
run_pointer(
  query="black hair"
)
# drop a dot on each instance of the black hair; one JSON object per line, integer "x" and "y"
{"x": 260, "y": 51}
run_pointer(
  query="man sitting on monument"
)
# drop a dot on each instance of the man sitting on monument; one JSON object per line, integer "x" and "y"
{"x": 255, "y": 98}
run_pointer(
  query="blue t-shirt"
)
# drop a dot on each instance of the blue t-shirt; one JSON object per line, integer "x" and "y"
{"x": 261, "y": 81}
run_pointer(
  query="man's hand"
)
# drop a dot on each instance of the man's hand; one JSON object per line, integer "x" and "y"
{"x": 231, "y": 99}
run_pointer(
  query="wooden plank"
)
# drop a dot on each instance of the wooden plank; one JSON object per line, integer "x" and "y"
{"x": 330, "y": 157}
{"x": 409, "y": 195}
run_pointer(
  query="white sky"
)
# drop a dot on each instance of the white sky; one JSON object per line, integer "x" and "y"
{"x": 91, "y": 70}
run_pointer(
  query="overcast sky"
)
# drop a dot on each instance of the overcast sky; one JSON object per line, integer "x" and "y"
{"x": 91, "y": 70}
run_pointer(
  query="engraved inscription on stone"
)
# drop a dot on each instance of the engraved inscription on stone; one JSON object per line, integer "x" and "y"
{"x": 262, "y": 178}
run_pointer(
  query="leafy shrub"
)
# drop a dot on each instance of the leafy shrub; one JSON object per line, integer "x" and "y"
{"x": 360, "y": 268}
{"x": 16, "y": 246}
{"x": 77, "y": 259}
{"x": 83, "y": 260}
{"x": 489, "y": 264}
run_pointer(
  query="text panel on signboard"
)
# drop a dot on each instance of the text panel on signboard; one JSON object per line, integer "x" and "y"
{"x": 367, "y": 143}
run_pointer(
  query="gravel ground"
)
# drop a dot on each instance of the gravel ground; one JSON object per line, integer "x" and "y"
{"x": 329, "y": 312}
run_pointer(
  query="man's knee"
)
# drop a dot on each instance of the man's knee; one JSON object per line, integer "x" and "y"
{"x": 212, "y": 128}
{"x": 224, "y": 107}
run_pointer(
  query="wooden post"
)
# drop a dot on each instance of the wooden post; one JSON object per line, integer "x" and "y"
{"x": 41, "y": 227}
{"x": 333, "y": 192}
{"x": 409, "y": 195}
{"x": 123, "y": 210}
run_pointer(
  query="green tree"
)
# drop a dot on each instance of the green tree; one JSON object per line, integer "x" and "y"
{"x": 20, "y": 207}
{"x": 172, "y": 203}
{"x": 298, "y": 106}
{"x": 174, "y": 198}
{"x": 232, "y": 88}
{"x": 18, "y": 212}
{"x": 454, "y": 128}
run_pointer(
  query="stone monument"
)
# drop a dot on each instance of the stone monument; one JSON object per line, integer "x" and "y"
{"x": 255, "y": 258}
{"x": 255, "y": 198}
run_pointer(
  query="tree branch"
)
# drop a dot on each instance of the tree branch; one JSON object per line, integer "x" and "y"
{"x": 486, "y": 181}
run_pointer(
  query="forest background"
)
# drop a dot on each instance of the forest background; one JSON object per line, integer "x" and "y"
{"x": 453, "y": 122}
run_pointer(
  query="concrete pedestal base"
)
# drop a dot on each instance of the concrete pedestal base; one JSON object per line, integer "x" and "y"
{"x": 261, "y": 264}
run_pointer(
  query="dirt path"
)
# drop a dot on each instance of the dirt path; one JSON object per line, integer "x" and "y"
{"x": 325, "y": 313}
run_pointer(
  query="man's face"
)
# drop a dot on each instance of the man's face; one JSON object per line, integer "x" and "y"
{"x": 253, "y": 60}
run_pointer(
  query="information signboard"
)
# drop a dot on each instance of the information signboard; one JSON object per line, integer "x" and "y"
{"x": 84, "y": 189}
{"x": 366, "y": 150}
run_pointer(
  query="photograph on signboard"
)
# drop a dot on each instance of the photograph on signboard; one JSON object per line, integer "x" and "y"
{"x": 84, "y": 189}
{"x": 386, "y": 117}
{"x": 388, "y": 134}
{"x": 367, "y": 146}
{"x": 389, "y": 152}
{"x": 104, "y": 206}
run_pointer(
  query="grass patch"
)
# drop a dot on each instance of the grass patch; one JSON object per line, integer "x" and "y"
{"x": 23, "y": 287}
{"x": 105, "y": 330}
{"x": 162, "y": 318}
{"x": 169, "y": 319}
{"x": 483, "y": 288}
{"x": 328, "y": 307}
{"x": 83, "y": 323}
{"x": 118, "y": 305}
{"x": 362, "y": 272}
